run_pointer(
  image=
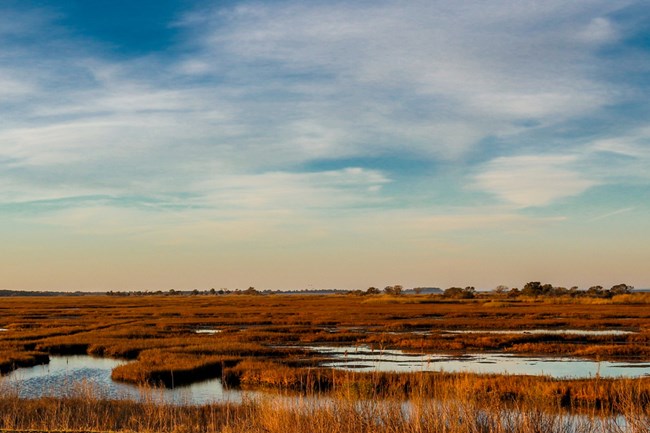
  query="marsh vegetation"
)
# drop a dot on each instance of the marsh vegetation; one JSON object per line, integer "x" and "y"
{"x": 275, "y": 345}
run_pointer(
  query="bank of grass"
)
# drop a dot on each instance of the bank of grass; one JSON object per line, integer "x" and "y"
{"x": 11, "y": 359}
{"x": 175, "y": 370}
{"x": 561, "y": 394}
{"x": 15, "y": 355}
{"x": 622, "y": 299}
{"x": 453, "y": 408}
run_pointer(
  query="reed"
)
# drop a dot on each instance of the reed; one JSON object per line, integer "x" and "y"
{"x": 451, "y": 409}
{"x": 560, "y": 394}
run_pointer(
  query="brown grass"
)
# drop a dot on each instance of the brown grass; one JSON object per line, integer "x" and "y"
{"x": 158, "y": 332}
{"x": 456, "y": 407}
{"x": 578, "y": 394}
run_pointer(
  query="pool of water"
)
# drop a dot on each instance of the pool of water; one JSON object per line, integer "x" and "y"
{"x": 363, "y": 358}
{"x": 77, "y": 375}
{"x": 208, "y": 331}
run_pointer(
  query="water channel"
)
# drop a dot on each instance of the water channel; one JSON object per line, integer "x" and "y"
{"x": 75, "y": 375}
{"x": 363, "y": 358}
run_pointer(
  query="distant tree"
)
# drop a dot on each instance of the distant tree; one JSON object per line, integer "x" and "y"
{"x": 620, "y": 289}
{"x": 595, "y": 292}
{"x": 459, "y": 292}
{"x": 453, "y": 292}
{"x": 391, "y": 290}
{"x": 558, "y": 291}
{"x": 212, "y": 291}
{"x": 195, "y": 292}
{"x": 533, "y": 288}
{"x": 372, "y": 291}
{"x": 501, "y": 289}
{"x": 418, "y": 290}
{"x": 251, "y": 291}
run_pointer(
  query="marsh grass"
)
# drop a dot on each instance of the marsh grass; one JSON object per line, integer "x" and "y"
{"x": 558, "y": 394}
{"x": 259, "y": 345}
{"x": 453, "y": 408}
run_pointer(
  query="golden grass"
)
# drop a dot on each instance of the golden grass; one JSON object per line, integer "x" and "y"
{"x": 158, "y": 332}
{"x": 598, "y": 393}
{"x": 632, "y": 298}
{"x": 461, "y": 404}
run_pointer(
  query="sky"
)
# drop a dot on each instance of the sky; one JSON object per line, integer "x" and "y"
{"x": 280, "y": 144}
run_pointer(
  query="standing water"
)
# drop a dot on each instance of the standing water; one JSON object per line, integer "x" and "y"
{"x": 77, "y": 375}
{"x": 363, "y": 358}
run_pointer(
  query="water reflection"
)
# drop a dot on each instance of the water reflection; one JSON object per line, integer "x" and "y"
{"x": 74, "y": 375}
{"x": 363, "y": 358}
{"x": 208, "y": 331}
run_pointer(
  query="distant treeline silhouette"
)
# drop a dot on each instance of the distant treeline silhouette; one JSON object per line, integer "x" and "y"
{"x": 533, "y": 288}
{"x": 6, "y": 293}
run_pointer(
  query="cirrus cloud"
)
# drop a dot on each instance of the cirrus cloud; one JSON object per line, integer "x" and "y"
{"x": 532, "y": 180}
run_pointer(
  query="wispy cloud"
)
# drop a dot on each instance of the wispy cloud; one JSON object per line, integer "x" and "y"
{"x": 611, "y": 214}
{"x": 599, "y": 31}
{"x": 634, "y": 144}
{"x": 12, "y": 87}
{"x": 463, "y": 65}
{"x": 277, "y": 198}
{"x": 261, "y": 88}
{"x": 532, "y": 180}
{"x": 285, "y": 193}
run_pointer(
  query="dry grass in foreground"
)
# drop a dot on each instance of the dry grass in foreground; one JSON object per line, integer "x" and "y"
{"x": 560, "y": 395}
{"x": 452, "y": 410}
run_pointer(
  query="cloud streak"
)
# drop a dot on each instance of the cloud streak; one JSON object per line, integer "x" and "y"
{"x": 532, "y": 180}
{"x": 611, "y": 214}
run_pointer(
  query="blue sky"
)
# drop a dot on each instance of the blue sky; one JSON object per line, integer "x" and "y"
{"x": 279, "y": 144}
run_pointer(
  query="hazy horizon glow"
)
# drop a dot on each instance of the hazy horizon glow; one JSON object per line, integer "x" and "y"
{"x": 282, "y": 144}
